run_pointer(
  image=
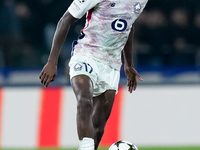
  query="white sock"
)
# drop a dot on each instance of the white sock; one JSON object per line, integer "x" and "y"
{"x": 86, "y": 144}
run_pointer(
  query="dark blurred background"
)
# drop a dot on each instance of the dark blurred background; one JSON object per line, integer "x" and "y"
{"x": 167, "y": 35}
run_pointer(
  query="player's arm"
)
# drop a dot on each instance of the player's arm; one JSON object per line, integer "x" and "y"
{"x": 49, "y": 71}
{"x": 76, "y": 11}
{"x": 131, "y": 73}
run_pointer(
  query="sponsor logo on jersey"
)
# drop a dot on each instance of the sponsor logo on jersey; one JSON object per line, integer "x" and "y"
{"x": 112, "y": 4}
{"x": 78, "y": 67}
{"x": 137, "y": 8}
{"x": 81, "y": 1}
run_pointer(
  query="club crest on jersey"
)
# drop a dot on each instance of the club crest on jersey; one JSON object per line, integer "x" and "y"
{"x": 78, "y": 67}
{"x": 81, "y": 1}
{"x": 137, "y": 8}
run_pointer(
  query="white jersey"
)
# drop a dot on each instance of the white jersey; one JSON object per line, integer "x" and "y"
{"x": 107, "y": 27}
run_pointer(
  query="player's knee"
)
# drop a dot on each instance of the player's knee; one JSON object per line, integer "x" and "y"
{"x": 84, "y": 105}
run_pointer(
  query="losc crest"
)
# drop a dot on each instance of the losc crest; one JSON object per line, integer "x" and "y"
{"x": 77, "y": 67}
{"x": 137, "y": 8}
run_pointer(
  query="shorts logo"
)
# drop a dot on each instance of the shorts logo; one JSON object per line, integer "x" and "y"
{"x": 137, "y": 8}
{"x": 77, "y": 67}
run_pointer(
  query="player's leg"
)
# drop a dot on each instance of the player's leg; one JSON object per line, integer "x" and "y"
{"x": 83, "y": 89}
{"x": 101, "y": 112}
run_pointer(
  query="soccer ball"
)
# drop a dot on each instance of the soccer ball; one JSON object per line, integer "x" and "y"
{"x": 122, "y": 145}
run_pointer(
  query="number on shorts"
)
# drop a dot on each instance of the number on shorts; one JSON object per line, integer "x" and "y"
{"x": 88, "y": 68}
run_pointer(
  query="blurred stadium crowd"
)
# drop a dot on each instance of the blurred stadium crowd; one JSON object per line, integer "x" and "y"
{"x": 167, "y": 33}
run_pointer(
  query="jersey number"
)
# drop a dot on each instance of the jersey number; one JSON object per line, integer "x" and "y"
{"x": 119, "y": 25}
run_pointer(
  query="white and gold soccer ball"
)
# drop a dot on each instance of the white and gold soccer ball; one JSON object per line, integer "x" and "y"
{"x": 123, "y": 145}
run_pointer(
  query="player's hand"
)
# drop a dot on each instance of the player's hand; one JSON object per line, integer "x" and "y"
{"x": 48, "y": 74}
{"x": 132, "y": 76}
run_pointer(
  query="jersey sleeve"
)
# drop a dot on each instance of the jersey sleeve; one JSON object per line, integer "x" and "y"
{"x": 79, "y": 8}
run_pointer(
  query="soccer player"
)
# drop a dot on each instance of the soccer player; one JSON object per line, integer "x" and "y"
{"x": 96, "y": 60}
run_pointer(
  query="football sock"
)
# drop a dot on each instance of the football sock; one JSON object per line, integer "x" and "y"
{"x": 86, "y": 144}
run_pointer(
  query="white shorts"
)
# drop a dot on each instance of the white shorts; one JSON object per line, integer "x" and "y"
{"x": 102, "y": 76}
